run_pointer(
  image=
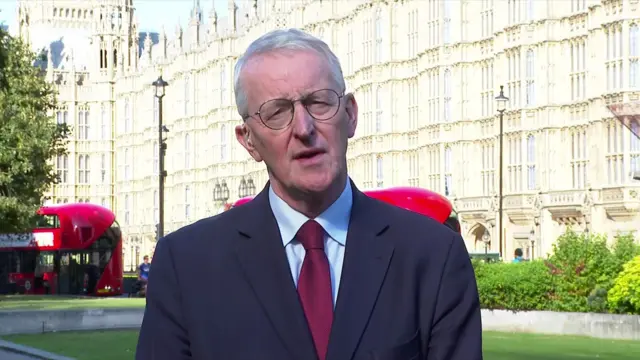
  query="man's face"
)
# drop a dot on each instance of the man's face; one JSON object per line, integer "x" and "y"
{"x": 309, "y": 155}
{"x": 146, "y": 260}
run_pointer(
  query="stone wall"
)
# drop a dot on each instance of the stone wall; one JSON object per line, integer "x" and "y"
{"x": 606, "y": 326}
{"x": 542, "y": 322}
{"x": 34, "y": 321}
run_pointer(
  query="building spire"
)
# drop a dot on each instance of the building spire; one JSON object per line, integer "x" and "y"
{"x": 196, "y": 12}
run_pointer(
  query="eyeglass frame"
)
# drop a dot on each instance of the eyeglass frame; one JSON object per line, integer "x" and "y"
{"x": 293, "y": 112}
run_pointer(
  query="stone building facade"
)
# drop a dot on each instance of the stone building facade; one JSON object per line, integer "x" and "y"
{"x": 425, "y": 74}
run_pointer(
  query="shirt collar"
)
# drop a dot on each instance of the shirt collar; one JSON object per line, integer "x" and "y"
{"x": 334, "y": 220}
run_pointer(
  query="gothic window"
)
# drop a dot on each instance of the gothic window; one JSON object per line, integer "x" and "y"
{"x": 379, "y": 172}
{"x": 448, "y": 173}
{"x": 531, "y": 162}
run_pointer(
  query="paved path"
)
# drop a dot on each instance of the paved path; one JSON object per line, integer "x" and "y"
{"x": 12, "y": 351}
{"x": 6, "y": 355}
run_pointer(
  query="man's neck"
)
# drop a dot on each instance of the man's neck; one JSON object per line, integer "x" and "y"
{"x": 311, "y": 204}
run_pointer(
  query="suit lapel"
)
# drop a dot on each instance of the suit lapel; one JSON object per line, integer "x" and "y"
{"x": 263, "y": 259}
{"x": 367, "y": 258}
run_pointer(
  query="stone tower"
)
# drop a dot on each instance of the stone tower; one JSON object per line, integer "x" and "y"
{"x": 114, "y": 38}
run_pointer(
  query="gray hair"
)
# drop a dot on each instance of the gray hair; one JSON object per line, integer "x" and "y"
{"x": 289, "y": 39}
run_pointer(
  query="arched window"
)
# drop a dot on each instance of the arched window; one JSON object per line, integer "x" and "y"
{"x": 448, "y": 173}
{"x": 530, "y": 81}
{"x": 187, "y": 95}
{"x": 223, "y": 143}
{"x": 531, "y": 162}
{"x": 127, "y": 116}
{"x": 447, "y": 95}
{"x": 187, "y": 151}
{"x": 187, "y": 202}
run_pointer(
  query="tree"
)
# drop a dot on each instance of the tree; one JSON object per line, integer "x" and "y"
{"x": 29, "y": 137}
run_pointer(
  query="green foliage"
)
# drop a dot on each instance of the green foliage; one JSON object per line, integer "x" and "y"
{"x": 583, "y": 268}
{"x": 520, "y": 286}
{"x": 577, "y": 277}
{"x": 29, "y": 138}
{"x": 624, "y": 296}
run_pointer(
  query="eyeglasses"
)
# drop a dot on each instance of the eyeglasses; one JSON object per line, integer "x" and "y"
{"x": 322, "y": 105}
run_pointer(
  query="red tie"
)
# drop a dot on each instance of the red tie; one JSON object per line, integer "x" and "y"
{"x": 314, "y": 286}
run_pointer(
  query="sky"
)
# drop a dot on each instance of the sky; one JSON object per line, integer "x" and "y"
{"x": 152, "y": 14}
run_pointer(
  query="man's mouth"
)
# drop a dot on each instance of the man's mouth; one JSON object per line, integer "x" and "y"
{"x": 308, "y": 154}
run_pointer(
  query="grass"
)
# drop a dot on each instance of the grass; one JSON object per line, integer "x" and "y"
{"x": 120, "y": 345}
{"x": 35, "y": 302}
{"x": 503, "y": 346}
{"x": 90, "y": 345}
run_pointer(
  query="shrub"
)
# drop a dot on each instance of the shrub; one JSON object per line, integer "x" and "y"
{"x": 522, "y": 286}
{"x": 583, "y": 269}
{"x": 624, "y": 296}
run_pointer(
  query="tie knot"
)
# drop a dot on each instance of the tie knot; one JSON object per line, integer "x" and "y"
{"x": 311, "y": 235}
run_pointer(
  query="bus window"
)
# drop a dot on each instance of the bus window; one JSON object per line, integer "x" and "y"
{"x": 45, "y": 261}
{"x": 22, "y": 262}
{"x": 48, "y": 222}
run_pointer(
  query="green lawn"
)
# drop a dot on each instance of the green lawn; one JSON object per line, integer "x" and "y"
{"x": 120, "y": 345}
{"x": 35, "y": 302}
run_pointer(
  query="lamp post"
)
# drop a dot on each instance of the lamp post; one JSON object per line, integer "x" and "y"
{"x": 224, "y": 192}
{"x": 251, "y": 187}
{"x": 501, "y": 102}
{"x": 532, "y": 238}
{"x": 216, "y": 192}
{"x": 221, "y": 192}
{"x": 160, "y": 86}
{"x": 486, "y": 239}
{"x": 131, "y": 259}
{"x": 242, "y": 189}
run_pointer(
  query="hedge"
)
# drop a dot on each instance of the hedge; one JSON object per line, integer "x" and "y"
{"x": 582, "y": 274}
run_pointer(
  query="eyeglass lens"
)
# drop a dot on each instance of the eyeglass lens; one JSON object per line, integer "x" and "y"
{"x": 321, "y": 105}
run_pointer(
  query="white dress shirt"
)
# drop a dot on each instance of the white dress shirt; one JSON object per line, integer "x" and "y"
{"x": 334, "y": 221}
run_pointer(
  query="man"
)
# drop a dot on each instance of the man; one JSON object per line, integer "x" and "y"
{"x": 311, "y": 268}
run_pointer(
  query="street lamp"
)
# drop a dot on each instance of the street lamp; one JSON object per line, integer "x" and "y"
{"x": 242, "y": 189}
{"x": 532, "y": 238}
{"x": 251, "y": 188}
{"x": 486, "y": 239}
{"x": 224, "y": 192}
{"x": 501, "y": 102}
{"x": 217, "y": 190}
{"x": 160, "y": 86}
{"x": 221, "y": 192}
{"x": 131, "y": 258}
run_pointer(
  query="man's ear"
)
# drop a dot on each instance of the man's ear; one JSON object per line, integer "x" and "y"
{"x": 244, "y": 137}
{"x": 351, "y": 108}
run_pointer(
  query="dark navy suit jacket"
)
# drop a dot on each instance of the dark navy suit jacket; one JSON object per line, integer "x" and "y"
{"x": 221, "y": 289}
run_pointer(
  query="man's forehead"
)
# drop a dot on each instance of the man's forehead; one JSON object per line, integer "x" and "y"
{"x": 268, "y": 76}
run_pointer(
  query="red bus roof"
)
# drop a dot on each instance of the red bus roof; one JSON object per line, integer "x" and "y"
{"x": 70, "y": 226}
{"x": 422, "y": 201}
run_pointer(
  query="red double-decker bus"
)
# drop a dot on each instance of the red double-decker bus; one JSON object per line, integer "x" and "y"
{"x": 75, "y": 249}
{"x": 422, "y": 201}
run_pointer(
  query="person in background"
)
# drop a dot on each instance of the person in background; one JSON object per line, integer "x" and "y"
{"x": 143, "y": 270}
{"x": 518, "y": 256}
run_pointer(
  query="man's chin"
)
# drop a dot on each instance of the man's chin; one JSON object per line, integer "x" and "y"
{"x": 313, "y": 183}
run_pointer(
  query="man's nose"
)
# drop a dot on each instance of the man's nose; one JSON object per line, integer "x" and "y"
{"x": 303, "y": 123}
